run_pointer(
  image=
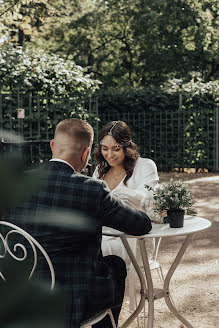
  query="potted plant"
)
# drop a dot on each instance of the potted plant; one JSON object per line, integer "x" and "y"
{"x": 175, "y": 199}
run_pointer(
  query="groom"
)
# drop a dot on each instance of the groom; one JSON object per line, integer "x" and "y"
{"x": 92, "y": 282}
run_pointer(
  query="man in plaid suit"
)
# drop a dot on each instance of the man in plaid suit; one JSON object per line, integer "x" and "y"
{"x": 91, "y": 282}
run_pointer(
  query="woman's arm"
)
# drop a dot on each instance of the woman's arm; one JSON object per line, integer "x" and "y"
{"x": 145, "y": 173}
{"x": 118, "y": 215}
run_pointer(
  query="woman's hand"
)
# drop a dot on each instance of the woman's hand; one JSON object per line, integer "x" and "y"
{"x": 140, "y": 201}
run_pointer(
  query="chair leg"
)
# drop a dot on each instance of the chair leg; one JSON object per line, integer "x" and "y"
{"x": 112, "y": 318}
{"x": 160, "y": 274}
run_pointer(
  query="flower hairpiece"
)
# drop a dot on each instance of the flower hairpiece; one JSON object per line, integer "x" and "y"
{"x": 123, "y": 144}
{"x": 117, "y": 145}
{"x": 109, "y": 133}
{"x": 111, "y": 129}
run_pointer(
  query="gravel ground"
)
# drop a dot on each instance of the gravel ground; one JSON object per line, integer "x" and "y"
{"x": 195, "y": 283}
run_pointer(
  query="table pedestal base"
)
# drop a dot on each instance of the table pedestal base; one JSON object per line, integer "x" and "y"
{"x": 150, "y": 293}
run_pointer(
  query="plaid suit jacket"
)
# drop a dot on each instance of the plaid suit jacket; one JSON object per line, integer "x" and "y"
{"x": 76, "y": 255}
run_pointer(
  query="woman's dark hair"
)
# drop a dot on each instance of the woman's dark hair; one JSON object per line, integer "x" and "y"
{"x": 120, "y": 131}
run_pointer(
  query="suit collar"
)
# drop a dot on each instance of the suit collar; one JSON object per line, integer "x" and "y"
{"x": 60, "y": 165}
{"x": 62, "y": 161}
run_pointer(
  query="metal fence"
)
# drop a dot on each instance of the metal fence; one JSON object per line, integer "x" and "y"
{"x": 175, "y": 139}
{"x": 33, "y": 118}
{"x": 33, "y": 152}
{"x": 181, "y": 138}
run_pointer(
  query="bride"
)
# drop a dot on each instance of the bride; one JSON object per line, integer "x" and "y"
{"x": 126, "y": 174}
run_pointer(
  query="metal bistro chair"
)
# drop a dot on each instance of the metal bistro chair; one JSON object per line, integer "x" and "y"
{"x": 5, "y": 249}
{"x": 98, "y": 317}
{"x": 36, "y": 247}
{"x": 154, "y": 264}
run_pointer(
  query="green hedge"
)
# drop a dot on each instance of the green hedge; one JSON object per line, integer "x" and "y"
{"x": 42, "y": 113}
{"x": 176, "y": 131}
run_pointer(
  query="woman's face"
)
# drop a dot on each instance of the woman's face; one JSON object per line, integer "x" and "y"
{"x": 112, "y": 151}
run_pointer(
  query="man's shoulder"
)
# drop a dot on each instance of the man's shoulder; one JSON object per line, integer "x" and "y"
{"x": 87, "y": 180}
{"x": 61, "y": 173}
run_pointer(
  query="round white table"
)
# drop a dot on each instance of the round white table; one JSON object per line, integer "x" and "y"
{"x": 191, "y": 226}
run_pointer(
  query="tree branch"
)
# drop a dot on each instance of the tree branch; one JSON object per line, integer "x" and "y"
{"x": 16, "y": 1}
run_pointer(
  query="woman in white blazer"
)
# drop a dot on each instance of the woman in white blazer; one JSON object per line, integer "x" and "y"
{"x": 119, "y": 164}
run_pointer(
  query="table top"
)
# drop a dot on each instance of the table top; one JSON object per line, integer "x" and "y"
{"x": 192, "y": 224}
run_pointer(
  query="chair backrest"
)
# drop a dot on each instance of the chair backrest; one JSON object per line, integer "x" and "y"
{"x": 36, "y": 247}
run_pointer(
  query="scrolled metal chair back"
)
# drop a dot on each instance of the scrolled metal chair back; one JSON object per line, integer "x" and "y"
{"x": 35, "y": 246}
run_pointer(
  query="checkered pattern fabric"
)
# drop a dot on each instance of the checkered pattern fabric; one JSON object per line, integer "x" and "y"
{"x": 76, "y": 254}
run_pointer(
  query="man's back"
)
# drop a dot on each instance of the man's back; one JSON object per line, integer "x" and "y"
{"x": 76, "y": 254}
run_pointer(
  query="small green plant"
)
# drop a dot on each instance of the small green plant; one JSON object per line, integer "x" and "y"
{"x": 173, "y": 195}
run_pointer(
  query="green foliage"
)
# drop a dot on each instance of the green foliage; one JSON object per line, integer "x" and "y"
{"x": 174, "y": 127}
{"x": 15, "y": 185}
{"x": 29, "y": 304}
{"x": 123, "y": 43}
{"x": 135, "y": 100}
{"x": 42, "y": 113}
{"x": 177, "y": 37}
{"x": 22, "y": 18}
{"x": 38, "y": 71}
{"x": 177, "y": 129}
{"x": 194, "y": 87}
{"x": 173, "y": 195}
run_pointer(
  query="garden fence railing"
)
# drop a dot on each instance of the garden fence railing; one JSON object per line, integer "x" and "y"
{"x": 174, "y": 139}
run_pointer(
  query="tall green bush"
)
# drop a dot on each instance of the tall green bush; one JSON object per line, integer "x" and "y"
{"x": 38, "y": 71}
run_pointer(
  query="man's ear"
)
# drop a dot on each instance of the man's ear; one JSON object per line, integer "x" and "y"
{"x": 85, "y": 153}
{"x": 52, "y": 144}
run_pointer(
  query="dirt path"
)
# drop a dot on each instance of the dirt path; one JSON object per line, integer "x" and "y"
{"x": 195, "y": 283}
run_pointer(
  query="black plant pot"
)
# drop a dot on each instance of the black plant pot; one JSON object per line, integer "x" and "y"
{"x": 176, "y": 218}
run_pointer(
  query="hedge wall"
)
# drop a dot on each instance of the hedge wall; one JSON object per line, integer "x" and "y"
{"x": 176, "y": 130}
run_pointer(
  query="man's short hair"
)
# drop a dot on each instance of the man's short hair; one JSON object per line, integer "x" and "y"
{"x": 73, "y": 134}
{"x": 76, "y": 129}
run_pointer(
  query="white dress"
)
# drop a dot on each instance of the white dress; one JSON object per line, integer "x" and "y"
{"x": 144, "y": 173}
